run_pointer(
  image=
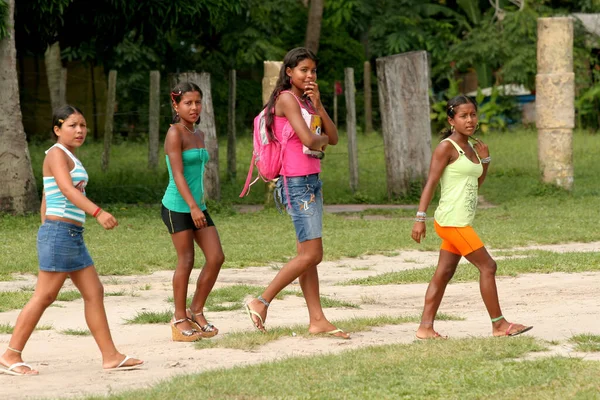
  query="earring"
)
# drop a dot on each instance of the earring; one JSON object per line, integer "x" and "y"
{"x": 477, "y": 127}
{"x": 451, "y": 128}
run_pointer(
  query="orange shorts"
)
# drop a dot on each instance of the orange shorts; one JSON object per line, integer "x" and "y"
{"x": 458, "y": 240}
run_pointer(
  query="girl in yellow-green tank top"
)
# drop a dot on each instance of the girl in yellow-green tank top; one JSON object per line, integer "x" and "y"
{"x": 460, "y": 168}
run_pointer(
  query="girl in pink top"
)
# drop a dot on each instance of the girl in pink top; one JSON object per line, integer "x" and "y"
{"x": 296, "y": 101}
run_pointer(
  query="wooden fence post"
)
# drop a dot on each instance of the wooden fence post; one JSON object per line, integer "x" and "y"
{"x": 368, "y": 98}
{"x": 109, "y": 118}
{"x": 403, "y": 83}
{"x": 206, "y": 125}
{"x": 153, "y": 119}
{"x": 231, "y": 133}
{"x": 351, "y": 127}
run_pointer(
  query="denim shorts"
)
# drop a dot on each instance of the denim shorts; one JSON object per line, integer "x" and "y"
{"x": 61, "y": 248}
{"x": 306, "y": 204}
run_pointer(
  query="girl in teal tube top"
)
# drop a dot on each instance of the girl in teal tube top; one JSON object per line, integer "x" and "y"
{"x": 186, "y": 217}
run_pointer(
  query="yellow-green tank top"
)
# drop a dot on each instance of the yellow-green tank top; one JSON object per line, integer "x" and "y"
{"x": 458, "y": 200}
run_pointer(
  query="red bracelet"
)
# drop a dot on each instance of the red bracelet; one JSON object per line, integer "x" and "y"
{"x": 95, "y": 214}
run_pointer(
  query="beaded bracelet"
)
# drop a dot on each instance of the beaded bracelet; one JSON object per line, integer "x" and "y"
{"x": 486, "y": 160}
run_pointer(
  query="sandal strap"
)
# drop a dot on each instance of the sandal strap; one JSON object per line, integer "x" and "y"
{"x": 19, "y": 364}
{"x": 208, "y": 327}
{"x": 178, "y": 321}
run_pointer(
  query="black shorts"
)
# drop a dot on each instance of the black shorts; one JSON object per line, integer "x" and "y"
{"x": 178, "y": 221}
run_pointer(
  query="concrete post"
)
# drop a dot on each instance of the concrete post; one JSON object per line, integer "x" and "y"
{"x": 271, "y": 73}
{"x": 555, "y": 100}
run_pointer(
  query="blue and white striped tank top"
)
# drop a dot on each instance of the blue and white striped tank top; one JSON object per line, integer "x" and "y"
{"x": 57, "y": 203}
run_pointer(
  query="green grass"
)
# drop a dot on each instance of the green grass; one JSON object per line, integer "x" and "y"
{"x": 151, "y": 317}
{"x": 446, "y": 369}
{"x": 76, "y": 332}
{"x": 14, "y": 300}
{"x": 245, "y": 340}
{"x": 534, "y": 261}
{"x": 231, "y": 298}
{"x": 586, "y": 342}
{"x": 527, "y": 212}
{"x": 7, "y": 328}
{"x": 329, "y": 302}
{"x": 115, "y": 294}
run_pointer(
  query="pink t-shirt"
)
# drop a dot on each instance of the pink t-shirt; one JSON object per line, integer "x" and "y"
{"x": 295, "y": 162}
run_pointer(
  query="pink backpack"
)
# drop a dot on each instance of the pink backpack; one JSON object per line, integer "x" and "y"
{"x": 267, "y": 154}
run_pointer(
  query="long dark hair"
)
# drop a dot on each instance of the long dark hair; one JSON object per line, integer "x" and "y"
{"x": 61, "y": 114}
{"x": 291, "y": 60}
{"x": 177, "y": 93}
{"x": 450, "y": 110}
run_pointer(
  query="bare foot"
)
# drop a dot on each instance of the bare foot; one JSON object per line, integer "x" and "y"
{"x": 199, "y": 322}
{"x": 327, "y": 328}
{"x": 427, "y": 332}
{"x": 7, "y": 360}
{"x": 184, "y": 325}
{"x": 261, "y": 309}
{"x": 114, "y": 361}
{"x": 505, "y": 328}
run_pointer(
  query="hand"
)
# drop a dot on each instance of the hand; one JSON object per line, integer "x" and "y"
{"x": 418, "y": 231}
{"x": 107, "y": 220}
{"x": 199, "y": 218}
{"x": 311, "y": 90}
{"x": 481, "y": 148}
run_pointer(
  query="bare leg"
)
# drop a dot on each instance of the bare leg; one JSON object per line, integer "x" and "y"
{"x": 310, "y": 254}
{"x": 92, "y": 291}
{"x": 445, "y": 270}
{"x": 489, "y": 293}
{"x": 47, "y": 288}
{"x": 184, "y": 246}
{"x": 208, "y": 240}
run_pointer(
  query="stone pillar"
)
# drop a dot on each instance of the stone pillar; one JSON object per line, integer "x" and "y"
{"x": 271, "y": 74}
{"x": 403, "y": 82}
{"x": 555, "y": 100}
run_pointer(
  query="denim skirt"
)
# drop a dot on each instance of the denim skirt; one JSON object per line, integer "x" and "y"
{"x": 305, "y": 204}
{"x": 61, "y": 248}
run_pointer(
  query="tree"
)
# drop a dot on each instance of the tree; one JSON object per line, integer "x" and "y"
{"x": 313, "y": 25}
{"x": 18, "y": 192}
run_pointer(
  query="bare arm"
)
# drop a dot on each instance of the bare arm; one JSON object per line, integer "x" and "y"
{"x": 288, "y": 106}
{"x": 329, "y": 127}
{"x": 173, "y": 148}
{"x": 43, "y": 207}
{"x": 440, "y": 159}
{"x": 483, "y": 152}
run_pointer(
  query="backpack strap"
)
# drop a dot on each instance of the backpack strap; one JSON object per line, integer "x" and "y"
{"x": 249, "y": 181}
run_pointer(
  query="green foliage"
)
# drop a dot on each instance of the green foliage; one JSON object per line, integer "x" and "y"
{"x": 3, "y": 19}
{"x": 493, "y": 111}
{"x": 438, "y": 114}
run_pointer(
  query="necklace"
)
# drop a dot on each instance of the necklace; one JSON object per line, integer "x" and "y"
{"x": 188, "y": 129}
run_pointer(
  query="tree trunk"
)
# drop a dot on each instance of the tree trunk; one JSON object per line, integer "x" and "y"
{"x": 54, "y": 73}
{"x": 18, "y": 192}
{"x": 403, "y": 81}
{"x": 154, "y": 120}
{"x": 313, "y": 26}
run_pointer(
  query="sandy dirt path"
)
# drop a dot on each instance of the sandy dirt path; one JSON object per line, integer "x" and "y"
{"x": 559, "y": 305}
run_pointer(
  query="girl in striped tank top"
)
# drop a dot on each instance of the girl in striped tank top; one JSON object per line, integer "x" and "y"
{"x": 460, "y": 168}
{"x": 61, "y": 250}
